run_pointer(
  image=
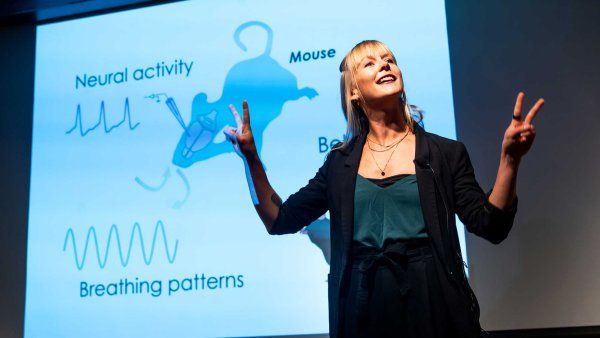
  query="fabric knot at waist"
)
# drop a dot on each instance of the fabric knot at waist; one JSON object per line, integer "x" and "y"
{"x": 395, "y": 256}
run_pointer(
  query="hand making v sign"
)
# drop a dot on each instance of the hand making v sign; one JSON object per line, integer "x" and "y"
{"x": 241, "y": 137}
{"x": 520, "y": 134}
{"x": 518, "y": 138}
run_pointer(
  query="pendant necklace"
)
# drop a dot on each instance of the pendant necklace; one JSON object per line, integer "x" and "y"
{"x": 389, "y": 158}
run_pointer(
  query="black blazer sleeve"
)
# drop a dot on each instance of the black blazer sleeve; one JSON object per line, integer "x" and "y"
{"x": 304, "y": 206}
{"x": 472, "y": 206}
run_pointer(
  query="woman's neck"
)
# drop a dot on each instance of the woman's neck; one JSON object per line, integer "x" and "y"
{"x": 386, "y": 124}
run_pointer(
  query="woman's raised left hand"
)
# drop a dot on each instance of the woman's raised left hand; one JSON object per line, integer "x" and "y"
{"x": 520, "y": 134}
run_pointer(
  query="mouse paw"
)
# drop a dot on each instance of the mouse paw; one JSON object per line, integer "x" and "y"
{"x": 308, "y": 92}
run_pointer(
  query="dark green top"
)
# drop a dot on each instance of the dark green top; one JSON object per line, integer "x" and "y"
{"x": 387, "y": 209}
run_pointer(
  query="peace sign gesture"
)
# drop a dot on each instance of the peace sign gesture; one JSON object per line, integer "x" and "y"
{"x": 520, "y": 134}
{"x": 241, "y": 137}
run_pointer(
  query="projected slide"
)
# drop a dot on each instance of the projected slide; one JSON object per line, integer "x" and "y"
{"x": 141, "y": 223}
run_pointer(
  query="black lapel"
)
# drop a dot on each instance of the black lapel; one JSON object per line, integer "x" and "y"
{"x": 426, "y": 182}
{"x": 425, "y": 179}
{"x": 348, "y": 181}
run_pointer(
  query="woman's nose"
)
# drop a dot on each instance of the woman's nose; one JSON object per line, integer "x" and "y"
{"x": 385, "y": 65}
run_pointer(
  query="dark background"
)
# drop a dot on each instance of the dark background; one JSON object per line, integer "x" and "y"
{"x": 544, "y": 277}
{"x": 547, "y": 273}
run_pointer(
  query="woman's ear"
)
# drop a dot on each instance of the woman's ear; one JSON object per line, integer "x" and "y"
{"x": 354, "y": 96}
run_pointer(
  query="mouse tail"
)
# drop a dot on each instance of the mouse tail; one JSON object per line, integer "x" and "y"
{"x": 242, "y": 27}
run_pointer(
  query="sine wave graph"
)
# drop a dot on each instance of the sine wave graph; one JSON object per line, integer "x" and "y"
{"x": 123, "y": 253}
{"x": 102, "y": 120}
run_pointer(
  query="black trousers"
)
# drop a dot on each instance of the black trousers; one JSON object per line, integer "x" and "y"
{"x": 395, "y": 292}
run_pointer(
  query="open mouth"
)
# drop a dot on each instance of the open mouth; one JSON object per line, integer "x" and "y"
{"x": 386, "y": 79}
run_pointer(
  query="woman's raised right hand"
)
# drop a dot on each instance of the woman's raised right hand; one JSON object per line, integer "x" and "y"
{"x": 241, "y": 137}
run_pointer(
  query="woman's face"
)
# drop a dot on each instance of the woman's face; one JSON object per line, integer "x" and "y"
{"x": 378, "y": 77}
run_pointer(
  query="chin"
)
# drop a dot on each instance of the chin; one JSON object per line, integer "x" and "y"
{"x": 395, "y": 89}
{"x": 385, "y": 93}
{"x": 395, "y": 92}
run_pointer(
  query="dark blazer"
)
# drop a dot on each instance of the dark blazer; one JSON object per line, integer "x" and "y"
{"x": 447, "y": 186}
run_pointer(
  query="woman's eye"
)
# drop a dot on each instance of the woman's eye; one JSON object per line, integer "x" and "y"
{"x": 390, "y": 61}
{"x": 368, "y": 63}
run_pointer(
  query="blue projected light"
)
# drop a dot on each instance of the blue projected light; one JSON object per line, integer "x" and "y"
{"x": 140, "y": 220}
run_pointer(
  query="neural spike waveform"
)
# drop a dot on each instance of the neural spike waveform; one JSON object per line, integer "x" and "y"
{"x": 102, "y": 120}
{"x": 114, "y": 231}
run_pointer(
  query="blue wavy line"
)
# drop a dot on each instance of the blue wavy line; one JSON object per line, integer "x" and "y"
{"x": 102, "y": 120}
{"x": 124, "y": 260}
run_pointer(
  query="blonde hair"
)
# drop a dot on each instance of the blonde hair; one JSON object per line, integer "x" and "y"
{"x": 357, "y": 123}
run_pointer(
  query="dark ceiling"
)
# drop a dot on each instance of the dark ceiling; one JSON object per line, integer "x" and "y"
{"x": 38, "y": 11}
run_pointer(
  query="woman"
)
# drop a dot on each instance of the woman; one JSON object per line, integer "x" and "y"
{"x": 392, "y": 190}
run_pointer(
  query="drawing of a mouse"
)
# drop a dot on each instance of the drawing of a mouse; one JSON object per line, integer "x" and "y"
{"x": 261, "y": 81}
